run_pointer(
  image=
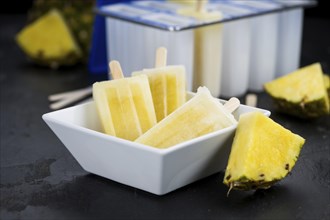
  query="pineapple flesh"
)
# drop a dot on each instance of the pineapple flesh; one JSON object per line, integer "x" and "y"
{"x": 327, "y": 83}
{"x": 263, "y": 152}
{"x": 49, "y": 41}
{"x": 78, "y": 15}
{"x": 301, "y": 93}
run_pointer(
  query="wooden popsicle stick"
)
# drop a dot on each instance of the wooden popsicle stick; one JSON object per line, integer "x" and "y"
{"x": 63, "y": 95}
{"x": 115, "y": 69}
{"x": 232, "y": 104}
{"x": 68, "y": 100}
{"x": 251, "y": 100}
{"x": 161, "y": 57}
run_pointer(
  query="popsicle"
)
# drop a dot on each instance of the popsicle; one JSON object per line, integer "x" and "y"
{"x": 167, "y": 84}
{"x": 208, "y": 46}
{"x": 200, "y": 115}
{"x": 124, "y": 105}
{"x": 186, "y": 2}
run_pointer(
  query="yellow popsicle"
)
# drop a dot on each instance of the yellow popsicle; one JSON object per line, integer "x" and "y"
{"x": 124, "y": 105}
{"x": 167, "y": 84}
{"x": 208, "y": 46}
{"x": 200, "y": 115}
{"x": 185, "y": 2}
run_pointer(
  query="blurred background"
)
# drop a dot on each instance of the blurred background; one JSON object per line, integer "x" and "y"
{"x": 15, "y": 15}
{"x": 28, "y": 10}
{"x": 23, "y": 12}
{"x": 17, "y": 6}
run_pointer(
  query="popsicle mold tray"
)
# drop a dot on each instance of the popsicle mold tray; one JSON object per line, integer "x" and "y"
{"x": 158, "y": 171}
{"x": 260, "y": 39}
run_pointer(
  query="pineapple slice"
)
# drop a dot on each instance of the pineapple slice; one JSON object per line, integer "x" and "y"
{"x": 301, "y": 93}
{"x": 48, "y": 41}
{"x": 263, "y": 152}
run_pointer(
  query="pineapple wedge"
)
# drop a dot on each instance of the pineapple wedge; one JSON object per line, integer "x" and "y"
{"x": 301, "y": 93}
{"x": 263, "y": 152}
{"x": 48, "y": 41}
{"x": 327, "y": 83}
{"x": 78, "y": 14}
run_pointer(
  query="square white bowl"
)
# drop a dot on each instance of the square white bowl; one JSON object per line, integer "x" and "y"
{"x": 158, "y": 171}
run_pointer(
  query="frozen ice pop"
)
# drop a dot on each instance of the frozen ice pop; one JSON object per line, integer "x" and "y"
{"x": 200, "y": 115}
{"x": 124, "y": 105}
{"x": 167, "y": 85}
{"x": 186, "y": 2}
{"x": 208, "y": 46}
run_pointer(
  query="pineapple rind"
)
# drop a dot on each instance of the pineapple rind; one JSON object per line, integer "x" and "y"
{"x": 68, "y": 59}
{"x": 303, "y": 110}
{"x": 244, "y": 184}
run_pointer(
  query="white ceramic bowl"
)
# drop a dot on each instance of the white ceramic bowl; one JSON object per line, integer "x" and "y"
{"x": 158, "y": 171}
